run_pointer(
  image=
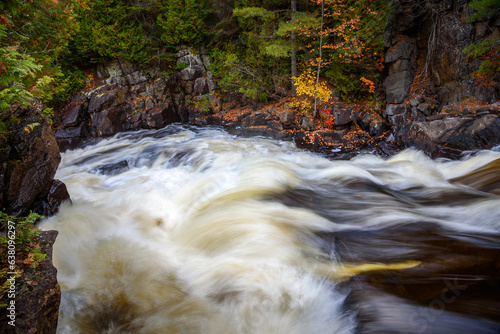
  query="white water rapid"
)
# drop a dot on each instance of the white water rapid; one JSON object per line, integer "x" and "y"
{"x": 193, "y": 230}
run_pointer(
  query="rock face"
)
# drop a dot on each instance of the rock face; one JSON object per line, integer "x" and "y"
{"x": 428, "y": 72}
{"x": 37, "y": 295}
{"x": 29, "y": 158}
{"x": 125, "y": 96}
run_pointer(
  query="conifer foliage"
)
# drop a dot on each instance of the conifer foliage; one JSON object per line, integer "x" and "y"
{"x": 256, "y": 46}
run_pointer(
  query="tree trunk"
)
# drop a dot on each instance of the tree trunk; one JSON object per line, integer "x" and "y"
{"x": 293, "y": 39}
{"x": 319, "y": 60}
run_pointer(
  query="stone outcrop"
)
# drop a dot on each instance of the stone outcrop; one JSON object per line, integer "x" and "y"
{"x": 38, "y": 295}
{"x": 123, "y": 96}
{"x": 454, "y": 131}
{"x": 428, "y": 76}
{"x": 29, "y": 158}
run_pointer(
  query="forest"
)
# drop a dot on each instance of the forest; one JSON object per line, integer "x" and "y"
{"x": 141, "y": 91}
{"x": 256, "y": 47}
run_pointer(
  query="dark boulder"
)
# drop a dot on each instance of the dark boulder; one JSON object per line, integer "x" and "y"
{"x": 48, "y": 204}
{"x": 108, "y": 122}
{"x": 344, "y": 115}
{"x": 373, "y": 123}
{"x": 201, "y": 86}
{"x": 449, "y": 137}
{"x": 398, "y": 114}
{"x": 159, "y": 116}
{"x": 190, "y": 74}
{"x": 74, "y": 116}
{"x": 32, "y": 158}
{"x": 102, "y": 101}
{"x": 286, "y": 117}
{"x": 257, "y": 119}
{"x": 81, "y": 131}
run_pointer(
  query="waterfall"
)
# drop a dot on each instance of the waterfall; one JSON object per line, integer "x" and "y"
{"x": 194, "y": 230}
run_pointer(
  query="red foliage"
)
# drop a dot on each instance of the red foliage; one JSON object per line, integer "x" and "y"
{"x": 328, "y": 118}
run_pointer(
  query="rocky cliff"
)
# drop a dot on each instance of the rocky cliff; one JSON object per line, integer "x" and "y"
{"x": 429, "y": 95}
{"x": 121, "y": 96}
{"x": 29, "y": 157}
{"x": 435, "y": 100}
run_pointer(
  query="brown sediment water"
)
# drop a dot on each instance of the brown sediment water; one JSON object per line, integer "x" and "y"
{"x": 193, "y": 230}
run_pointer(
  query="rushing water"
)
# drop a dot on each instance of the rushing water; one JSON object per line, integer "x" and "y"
{"x": 193, "y": 230}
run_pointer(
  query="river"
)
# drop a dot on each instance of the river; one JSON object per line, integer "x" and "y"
{"x": 194, "y": 230}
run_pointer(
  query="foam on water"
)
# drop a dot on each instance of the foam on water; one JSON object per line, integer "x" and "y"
{"x": 183, "y": 230}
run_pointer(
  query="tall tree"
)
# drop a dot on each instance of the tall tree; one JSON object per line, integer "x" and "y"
{"x": 319, "y": 59}
{"x": 353, "y": 44}
{"x": 276, "y": 31}
{"x": 293, "y": 50}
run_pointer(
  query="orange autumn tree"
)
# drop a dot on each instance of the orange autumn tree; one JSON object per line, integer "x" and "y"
{"x": 351, "y": 44}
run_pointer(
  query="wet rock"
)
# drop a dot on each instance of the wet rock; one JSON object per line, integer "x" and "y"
{"x": 427, "y": 135}
{"x": 378, "y": 311}
{"x": 112, "y": 168}
{"x": 440, "y": 137}
{"x": 160, "y": 116}
{"x": 485, "y": 132}
{"x": 49, "y": 204}
{"x": 58, "y": 193}
{"x": 262, "y": 130}
{"x": 76, "y": 132}
{"x": 387, "y": 149}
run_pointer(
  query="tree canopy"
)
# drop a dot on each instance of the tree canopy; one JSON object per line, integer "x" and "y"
{"x": 256, "y": 46}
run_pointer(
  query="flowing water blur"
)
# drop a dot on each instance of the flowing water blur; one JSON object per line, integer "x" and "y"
{"x": 193, "y": 230}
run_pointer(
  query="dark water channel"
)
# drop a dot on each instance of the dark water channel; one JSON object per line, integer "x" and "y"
{"x": 193, "y": 230}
